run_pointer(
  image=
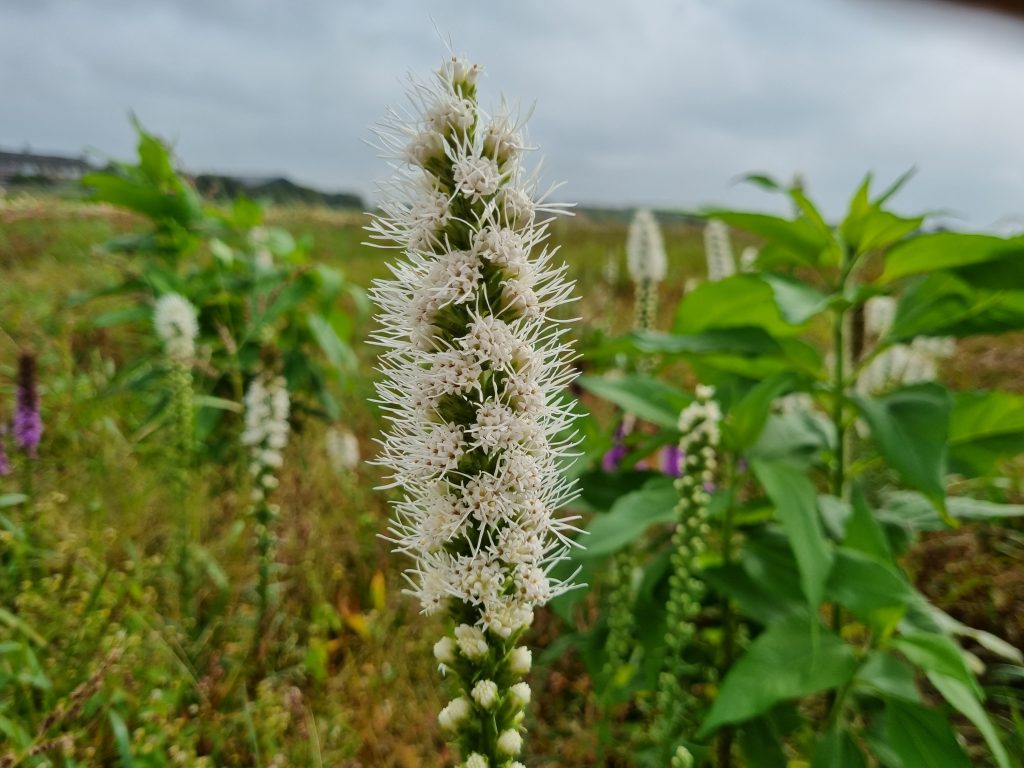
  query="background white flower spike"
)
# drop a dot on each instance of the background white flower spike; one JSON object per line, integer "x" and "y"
{"x": 475, "y": 368}
{"x": 718, "y": 251}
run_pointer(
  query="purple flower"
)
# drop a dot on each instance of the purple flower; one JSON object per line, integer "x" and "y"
{"x": 672, "y": 460}
{"x": 27, "y": 424}
{"x": 614, "y": 456}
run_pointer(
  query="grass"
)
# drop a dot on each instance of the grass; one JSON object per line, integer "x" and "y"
{"x": 344, "y": 676}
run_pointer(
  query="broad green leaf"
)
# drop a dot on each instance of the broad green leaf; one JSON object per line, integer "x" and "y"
{"x": 12, "y": 499}
{"x": 649, "y": 399}
{"x": 910, "y": 427}
{"x": 964, "y": 699}
{"x": 135, "y": 314}
{"x": 747, "y": 418}
{"x": 942, "y": 304}
{"x": 946, "y": 250}
{"x": 797, "y": 301}
{"x": 789, "y": 660}
{"x": 761, "y": 744}
{"x": 980, "y": 414}
{"x": 922, "y": 738}
{"x": 913, "y": 511}
{"x": 838, "y": 750}
{"x": 628, "y": 518}
{"x": 740, "y": 301}
{"x": 889, "y": 675}
{"x": 801, "y": 242}
{"x": 863, "y": 533}
{"x": 600, "y": 489}
{"x": 946, "y": 623}
{"x": 797, "y": 437}
{"x": 337, "y": 352}
{"x": 934, "y": 652}
{"x": 872, "y": 589}
{"x": 796, "y": 504}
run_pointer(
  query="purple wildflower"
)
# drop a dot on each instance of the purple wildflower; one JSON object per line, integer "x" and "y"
{"x": 27, "y": 424}
{"x": 672, "y": 460}
{"x": 614, "y": 456}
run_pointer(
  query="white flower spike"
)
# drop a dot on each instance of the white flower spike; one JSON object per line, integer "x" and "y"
{"x": 474, "y": 368}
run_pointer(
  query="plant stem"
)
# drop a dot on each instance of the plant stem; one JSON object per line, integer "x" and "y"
{"x": 726, "y": 735}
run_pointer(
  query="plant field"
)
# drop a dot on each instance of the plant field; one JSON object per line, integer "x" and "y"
{"x": 790, "y": 450}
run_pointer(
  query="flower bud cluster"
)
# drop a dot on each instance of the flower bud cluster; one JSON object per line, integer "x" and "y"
{"x": 474, "y": 369}
{"x": 647, "y": 263}
{"x": 718, "y": 251}
{"x": 175, "y": 321}
{"x": 699, "y": 423}
{"x": 265, "y": 432}
{"x": 899, "y": 364}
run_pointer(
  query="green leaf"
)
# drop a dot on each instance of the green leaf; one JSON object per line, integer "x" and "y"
{"x": 980, "y": 413}
{"x": 795, "y": 242}
{"x": 913, "y": 511}
{"x": 942, "y": 304}
{"x": 793, "y": 438}
{"x": 934, "y": 652}
{"x": 797, "y": 301}
{"x": 338, "y": 353}
{"x": 889, "y": 675}
{"x": 735, "y": 302}
{"x": 965, "y": 700}
{"x": 649, "y": 399}
{"x": 628, "y": 518}
{"x": 946, "y": 250}
{"x": 922, "y": 738}
{"x": 12, "y": 499}
{"x": 789, "y": 660}
{"x": 838, "y": 750}
{"x": 910, "y": 427}
{"x": 796, "y": 504}
{"x": 863, "y": 533}
{"x": 600, "y": 489}
{"x": 747, "y": 418}
{"x": 122, "y": 739}
{"x": 872, "y": 589}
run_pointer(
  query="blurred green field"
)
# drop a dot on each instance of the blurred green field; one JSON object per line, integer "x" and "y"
{"x": 353, "y": 681}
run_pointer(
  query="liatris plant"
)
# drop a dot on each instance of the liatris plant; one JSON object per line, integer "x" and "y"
{"x": 175, "y": 322}
{"x": 647, "y": 264}
{"x": 474, "y": 372}
{"x": 27, "y": 424}
{"x": 265, "y": 436}
{"x": 699, "y": 423}
{"x": 718, "y": 251}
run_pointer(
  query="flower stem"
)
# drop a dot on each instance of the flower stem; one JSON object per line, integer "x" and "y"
{"x": 726, "y": 735}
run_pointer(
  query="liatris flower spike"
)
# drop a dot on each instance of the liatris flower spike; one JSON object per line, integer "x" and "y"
{"x": 27, "y": 426}
{"x": 475, "y": 368}
{"x": 174, "y": 319}
{"x": 647, "y": 263}
{"x": 265, "y": 435}
{"x": 699, "y": 423}
{"x": 718, "y": 251}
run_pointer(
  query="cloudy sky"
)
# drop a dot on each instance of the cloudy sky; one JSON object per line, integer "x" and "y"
{"x": 661, "y": 102}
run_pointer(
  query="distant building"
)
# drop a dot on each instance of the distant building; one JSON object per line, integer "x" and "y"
{"x": 28, "y": 165}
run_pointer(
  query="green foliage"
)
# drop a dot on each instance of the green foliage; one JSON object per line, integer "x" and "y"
{"x": 262, "y": 301}
{"x": 830, "y": 483}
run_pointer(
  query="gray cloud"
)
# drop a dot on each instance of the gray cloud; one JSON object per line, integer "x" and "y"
{"x": 663, "y": 102}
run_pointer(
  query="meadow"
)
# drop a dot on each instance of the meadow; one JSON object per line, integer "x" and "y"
{"x": 841, "y": 584}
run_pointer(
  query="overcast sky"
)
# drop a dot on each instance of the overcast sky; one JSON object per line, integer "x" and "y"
{"x": 659, "y": 102}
